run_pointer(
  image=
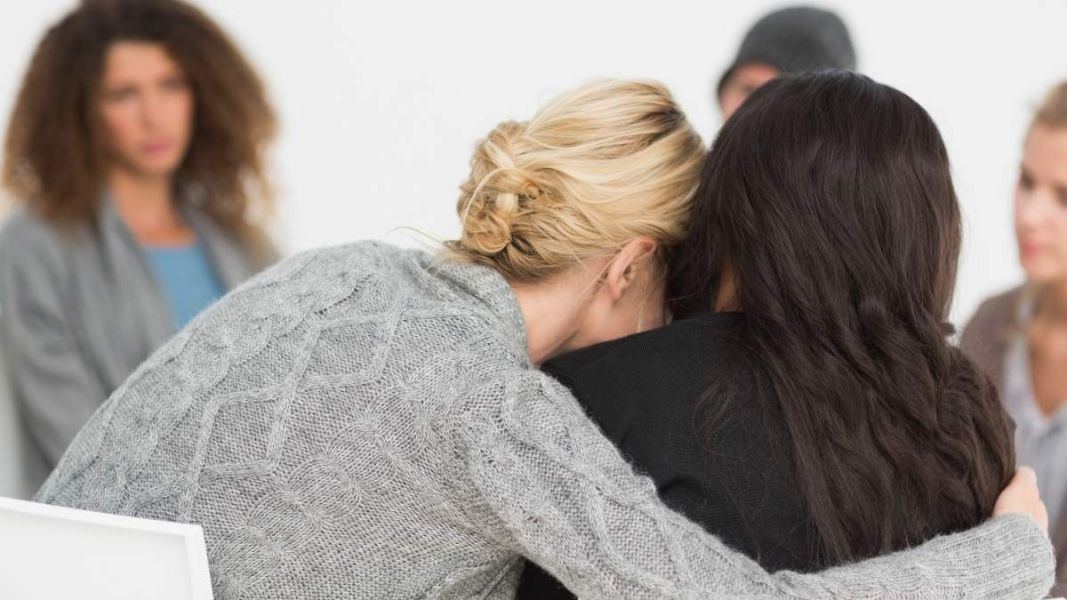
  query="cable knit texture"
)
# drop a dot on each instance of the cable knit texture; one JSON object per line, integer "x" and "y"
{"x": 364, "y": 422}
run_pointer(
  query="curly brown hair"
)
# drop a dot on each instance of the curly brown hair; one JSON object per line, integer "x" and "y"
{"x": 53, "y": 159}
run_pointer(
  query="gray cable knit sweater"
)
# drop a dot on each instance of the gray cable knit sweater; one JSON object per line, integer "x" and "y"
{"x": 364, "y": 422}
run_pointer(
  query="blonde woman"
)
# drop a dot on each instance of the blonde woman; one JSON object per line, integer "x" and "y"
{"x": 369, "y": 422}
{"x": 1020, "y": 337}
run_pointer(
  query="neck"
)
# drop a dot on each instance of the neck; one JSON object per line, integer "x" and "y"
{"x": 726, "y": 295}
{"x": 548, "y": 328}
{"x": 1052, "y": 302}
{"x": 146, "y": 205}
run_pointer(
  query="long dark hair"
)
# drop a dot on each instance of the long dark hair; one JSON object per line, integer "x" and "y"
{"x": 830, "y": 198}
{"x": 52, "y": 158}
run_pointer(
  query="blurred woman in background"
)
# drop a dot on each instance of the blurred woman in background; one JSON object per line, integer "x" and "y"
{"x": 1020, "y": 337}
{"x": 136, "y": 153}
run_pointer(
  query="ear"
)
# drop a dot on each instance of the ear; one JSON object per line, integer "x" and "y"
{"x": 627, "y": 265}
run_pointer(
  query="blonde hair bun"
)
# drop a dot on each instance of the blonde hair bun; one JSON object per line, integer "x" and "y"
{"x": 594, "y": 168}
{"x": 502, "y": 192}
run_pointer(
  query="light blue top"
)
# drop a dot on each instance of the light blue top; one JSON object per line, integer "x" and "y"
{"x": 187, "y": 278}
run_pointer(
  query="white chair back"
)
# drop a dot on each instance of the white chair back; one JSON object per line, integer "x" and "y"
{"x": 53, "y": 552}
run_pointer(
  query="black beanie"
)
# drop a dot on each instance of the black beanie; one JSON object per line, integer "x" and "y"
{"x": 796, "y": 40}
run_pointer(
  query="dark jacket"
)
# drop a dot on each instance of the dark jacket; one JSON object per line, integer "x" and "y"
{"x": 728, "y": 467}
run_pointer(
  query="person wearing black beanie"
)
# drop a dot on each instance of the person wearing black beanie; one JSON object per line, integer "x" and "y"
{"x": 797, "y": 39}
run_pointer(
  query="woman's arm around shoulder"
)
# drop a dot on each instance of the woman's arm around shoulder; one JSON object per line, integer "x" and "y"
{"x": 555, "y": 490}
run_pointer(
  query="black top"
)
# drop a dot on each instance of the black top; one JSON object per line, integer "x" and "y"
{"x": 732, "y": 475}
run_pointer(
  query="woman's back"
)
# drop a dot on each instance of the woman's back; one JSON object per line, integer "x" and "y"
{"x": 307, "y": 405}
{"x": 827, "y": 214}
{"x": 326, "y": 424}
{"x": 644, "y": 392}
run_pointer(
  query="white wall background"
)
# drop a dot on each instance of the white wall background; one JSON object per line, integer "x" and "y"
{"x": 381, "y": 102}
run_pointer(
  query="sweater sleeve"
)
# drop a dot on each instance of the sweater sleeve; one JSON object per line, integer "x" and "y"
{"x": 551, "y": 487}
{"x": 56, "y": 389}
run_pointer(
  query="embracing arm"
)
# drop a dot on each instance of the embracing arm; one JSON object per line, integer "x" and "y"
{"x": 555, "y": 490}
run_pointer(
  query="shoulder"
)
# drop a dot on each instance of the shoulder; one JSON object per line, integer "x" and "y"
{"x": 23, "y": 232}
{"x": 249, "y": 246}
{"x": 675, "y": 347}
{"x": 391, "y": 294}
{"x": 676, "y": 363}
{"x": 31, "y": 245}
{"x": 991, "y": 319}
{"x": 1001, "y": 304}
{"x": 358, "y": 259}
{"x": 518, "y": 404}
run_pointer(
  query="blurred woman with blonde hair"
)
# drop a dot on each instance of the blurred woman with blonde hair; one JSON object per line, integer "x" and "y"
{"x": 136, "y": 153}
{"x": 1020, "y": 337}
{"x": 370, "y": 422}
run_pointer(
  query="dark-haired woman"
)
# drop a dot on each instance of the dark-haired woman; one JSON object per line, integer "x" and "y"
{"x": 136, "y": 151}
{"x": 806, "y": 405}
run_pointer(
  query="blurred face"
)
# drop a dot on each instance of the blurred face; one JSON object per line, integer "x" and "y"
{"x": 1041, "y": 205}
{"x": 146, "y": 109}
{"x": 742, "y": 82}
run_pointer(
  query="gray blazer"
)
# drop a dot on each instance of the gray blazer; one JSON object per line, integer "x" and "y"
{"x": 80, "y": 309}
{"x": 986, "y": 340}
